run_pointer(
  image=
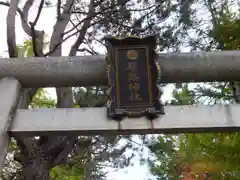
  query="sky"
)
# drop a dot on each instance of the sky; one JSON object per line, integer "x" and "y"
{"x": 46, "y": 22}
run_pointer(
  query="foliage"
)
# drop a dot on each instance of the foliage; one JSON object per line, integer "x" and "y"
{"x": 177, "y": 24}
{"x": 214, "y": 153}
{"x": 26, "y": 49}
{"x": 42, "y": 100}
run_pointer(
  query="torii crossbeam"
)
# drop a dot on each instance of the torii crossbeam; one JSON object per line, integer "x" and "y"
{"x": 91, "y": 70}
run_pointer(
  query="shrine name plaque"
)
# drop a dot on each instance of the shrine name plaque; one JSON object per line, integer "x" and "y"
{"x": 133, "y": 74}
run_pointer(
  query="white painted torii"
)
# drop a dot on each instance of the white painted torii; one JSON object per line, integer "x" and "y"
{"x": 91, "y": 70}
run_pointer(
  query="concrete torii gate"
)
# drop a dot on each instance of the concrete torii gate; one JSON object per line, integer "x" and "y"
{"x": 17, "y": 73}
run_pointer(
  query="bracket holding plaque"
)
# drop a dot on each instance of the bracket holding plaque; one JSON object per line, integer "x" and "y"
{"x": 133, "y": 74}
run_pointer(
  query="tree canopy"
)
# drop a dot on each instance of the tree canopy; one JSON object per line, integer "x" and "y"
{"x": 201, "y": 25}
{"x": 213, "y": 155}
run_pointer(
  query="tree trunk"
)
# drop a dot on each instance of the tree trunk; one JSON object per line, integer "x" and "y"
{"x": 33, "y": 172}
{"x": 39, "y": 156}
{"x": 89, "y": 164}
{"x": 36, "y": 167}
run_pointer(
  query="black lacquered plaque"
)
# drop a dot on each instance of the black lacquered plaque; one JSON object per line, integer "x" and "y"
{"x": 133, "y": 74}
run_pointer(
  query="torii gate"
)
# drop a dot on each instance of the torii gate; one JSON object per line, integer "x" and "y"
{"x": 17, "y": 73}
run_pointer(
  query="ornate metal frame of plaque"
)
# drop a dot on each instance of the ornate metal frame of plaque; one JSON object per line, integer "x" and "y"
{"x": 133, "y": 74}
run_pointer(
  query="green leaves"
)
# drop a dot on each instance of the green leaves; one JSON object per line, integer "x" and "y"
{"x": 215, "y": 153}
{"x": 183, "y": 96}
{"x": 67, "y": 173}
{"x": 41, "y": 100}
{"x": 226, "y": 32}
{"x": 90, "y": 97}
{"x": 26, "y": 49}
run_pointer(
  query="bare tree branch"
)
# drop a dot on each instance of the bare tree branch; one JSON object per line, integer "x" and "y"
{"x": 25, "y": 25}
{"x": 58, "y": 9}
{"x": 60, "y": 43}
{"x": 89, "y": 51}
{"x": 8, "y": 4}
{"x": 88, "y": 18}
{"x": 91, "y": 48}
{"x": 24, "y": 21}
{"x": 83, "y": 30}
{"x": 34, "y": 41}
{"x": 75, "y": 27}
{"x": 37, "y": 52}
{"x": 11, "y": 35}
{"x": 38, "y": 13}
{"x": 59, "y": 28}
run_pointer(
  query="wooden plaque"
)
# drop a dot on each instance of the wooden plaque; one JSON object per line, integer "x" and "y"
{"x": 133, "y": 75}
